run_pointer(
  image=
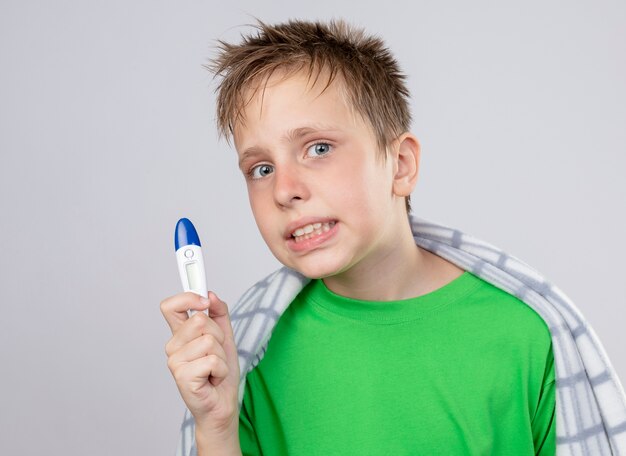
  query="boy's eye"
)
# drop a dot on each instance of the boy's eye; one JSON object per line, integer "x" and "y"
{"x": 260, "y": 171}
{"x": 318, "y": 149}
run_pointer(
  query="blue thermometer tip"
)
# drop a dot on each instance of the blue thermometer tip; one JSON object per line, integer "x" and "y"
{"x": 185, "y": 234}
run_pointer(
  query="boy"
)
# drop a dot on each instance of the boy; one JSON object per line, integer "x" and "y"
{"x": 365, "y": 343}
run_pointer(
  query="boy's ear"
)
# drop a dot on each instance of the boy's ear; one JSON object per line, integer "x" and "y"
{"x": 406, "y": 153}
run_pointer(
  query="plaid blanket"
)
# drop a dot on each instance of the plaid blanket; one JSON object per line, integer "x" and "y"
{"x": 590, "y": 401}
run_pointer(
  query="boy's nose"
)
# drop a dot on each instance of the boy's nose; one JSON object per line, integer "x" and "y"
{"x": 289, "y": 187}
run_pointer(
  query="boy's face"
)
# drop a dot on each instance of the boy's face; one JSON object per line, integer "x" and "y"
{"x": 320, "y": 193}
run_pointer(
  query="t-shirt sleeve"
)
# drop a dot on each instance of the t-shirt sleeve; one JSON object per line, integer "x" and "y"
{"x": 247, "y": 434}
{"x": 544, "y": 421}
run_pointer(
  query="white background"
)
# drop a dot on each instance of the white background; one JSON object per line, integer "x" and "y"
{"x": 107, "y": 138}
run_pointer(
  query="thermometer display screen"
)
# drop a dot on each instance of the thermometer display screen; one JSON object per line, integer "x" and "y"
{"x": 193, "y": 275}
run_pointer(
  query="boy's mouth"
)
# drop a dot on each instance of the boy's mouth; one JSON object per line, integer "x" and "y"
{"x": 311, "y": 230}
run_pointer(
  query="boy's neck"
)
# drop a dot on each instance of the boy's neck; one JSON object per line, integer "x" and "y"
{"x": 405, "y": 271}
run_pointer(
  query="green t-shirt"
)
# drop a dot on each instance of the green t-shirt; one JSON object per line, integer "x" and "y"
{"x": 467, "y": 369}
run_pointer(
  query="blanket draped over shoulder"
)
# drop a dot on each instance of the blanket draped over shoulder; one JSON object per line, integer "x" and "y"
{"x": 590, "y": 401}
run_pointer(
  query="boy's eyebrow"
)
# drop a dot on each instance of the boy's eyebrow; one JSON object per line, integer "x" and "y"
{"x": 290, "y": 136}
{"x": 296, "y": 133}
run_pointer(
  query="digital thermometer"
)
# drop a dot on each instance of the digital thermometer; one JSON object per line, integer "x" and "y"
{"x": 189, "y": 258}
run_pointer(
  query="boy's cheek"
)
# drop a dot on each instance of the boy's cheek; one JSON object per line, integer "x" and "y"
{"x": 270, "y": 233}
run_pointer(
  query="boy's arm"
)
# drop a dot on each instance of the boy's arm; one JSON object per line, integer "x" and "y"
{"x": 202, "y": 356}
{"x": 241, "y": 439}
{"x": 211, "y": 444}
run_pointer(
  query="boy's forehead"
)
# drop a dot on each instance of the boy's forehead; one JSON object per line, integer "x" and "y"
{"x": 312, "y": 95}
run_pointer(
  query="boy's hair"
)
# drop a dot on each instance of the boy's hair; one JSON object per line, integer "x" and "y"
{"x": 370, "y": 78}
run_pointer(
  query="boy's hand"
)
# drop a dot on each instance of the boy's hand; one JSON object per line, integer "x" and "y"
{"x": 202, "y": 357}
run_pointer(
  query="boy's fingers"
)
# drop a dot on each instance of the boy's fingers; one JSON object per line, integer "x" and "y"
{"x": 175, "y": 308}
{"x": 198, "y": 371}
{"x": 193, "y": 328}
{"x": 205, "y": 345}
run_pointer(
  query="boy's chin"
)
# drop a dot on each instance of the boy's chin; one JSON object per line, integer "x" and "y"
{"x": 316, "y": 271}
{"x": 318, "y": 264}
{"x": 314, "y": 276}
